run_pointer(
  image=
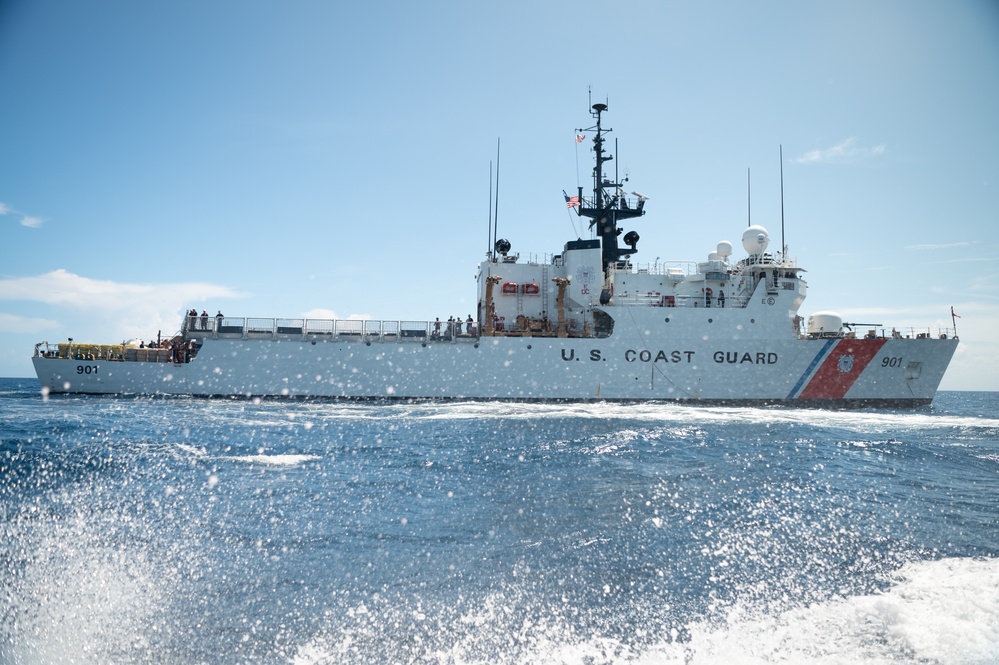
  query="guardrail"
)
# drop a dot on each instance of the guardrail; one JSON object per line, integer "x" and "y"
{"x": 229, "y": 327}
{"x": 656, "y": 299}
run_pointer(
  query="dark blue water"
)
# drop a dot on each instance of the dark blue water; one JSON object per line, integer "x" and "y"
{"x": 138, "y": 530}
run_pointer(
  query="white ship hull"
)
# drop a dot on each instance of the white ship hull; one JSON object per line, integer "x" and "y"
{"x": 842, "y": 371}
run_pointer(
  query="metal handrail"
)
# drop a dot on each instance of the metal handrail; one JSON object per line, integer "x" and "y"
{"x": 230, "y": 327}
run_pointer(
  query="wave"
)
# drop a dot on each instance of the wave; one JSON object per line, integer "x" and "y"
{"x": 944, "y": 612}
{"x": 277, "y": 459}
{"x": 886, "y": 420}
{"x": 274, "y": 460}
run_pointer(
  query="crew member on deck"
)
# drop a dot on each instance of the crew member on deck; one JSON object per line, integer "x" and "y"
{"x": 721, "y": 298}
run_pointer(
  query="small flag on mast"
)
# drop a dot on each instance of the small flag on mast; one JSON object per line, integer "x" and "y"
{"x": 956, "y": 316}
{"x": 580, "y": 138}
{"x": 571, "y": 201}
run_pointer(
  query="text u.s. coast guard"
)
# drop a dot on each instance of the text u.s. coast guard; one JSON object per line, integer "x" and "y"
{"x": 678, "y": 356}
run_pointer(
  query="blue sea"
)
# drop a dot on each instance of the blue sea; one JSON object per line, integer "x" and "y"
{"x": 177, "y": 530}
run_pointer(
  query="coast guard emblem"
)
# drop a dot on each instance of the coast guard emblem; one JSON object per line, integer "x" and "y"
{"x": 584, "y": 275}
{"x": 845, "y": 364}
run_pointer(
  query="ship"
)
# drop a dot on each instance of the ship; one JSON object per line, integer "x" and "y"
{"x": 587, "y": 323}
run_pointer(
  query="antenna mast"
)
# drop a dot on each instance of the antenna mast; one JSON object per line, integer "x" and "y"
{"x": 489, "y": 223}
{"x": 783, "y": 245}
{"x": 496, "y": 213}
{"x": 608, "y": 204}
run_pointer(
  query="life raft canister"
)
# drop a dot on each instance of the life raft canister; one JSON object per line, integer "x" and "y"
{"x": 529, "y": 289}
{"x": 510, "y": 287}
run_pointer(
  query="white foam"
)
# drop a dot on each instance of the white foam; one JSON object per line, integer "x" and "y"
{"x": 282, "y": 415}
{"x": 79, "y": 598}
{"x": 943, "y": 612}
{"x": 275, "y": 460}
{"x": 865, "y": 421}
{"x": 192, "y": 450}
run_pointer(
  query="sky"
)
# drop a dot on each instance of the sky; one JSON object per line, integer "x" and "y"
{"x": 333, "y": 159}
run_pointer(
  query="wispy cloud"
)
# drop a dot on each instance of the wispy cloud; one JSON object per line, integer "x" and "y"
{"x": 949, "y": 245}
{"x": 844, "y": 153}
{"x": 30, "y": 221}
{"x": 61, "y": 287}
{"x": 23, "y": 324}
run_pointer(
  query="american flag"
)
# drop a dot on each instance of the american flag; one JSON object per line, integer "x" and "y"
{"x": 571, "y": 201}
{"x": 580, "y": 138}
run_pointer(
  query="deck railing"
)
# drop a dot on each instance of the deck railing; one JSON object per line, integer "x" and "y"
{"x": 229, "y": 327}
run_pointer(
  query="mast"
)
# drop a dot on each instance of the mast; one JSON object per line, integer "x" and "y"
{"x": 783, "y": 244}
{"x": 496, "y": 212}
{"x": 609, "y": 203}
{"x": 489, "y": 223}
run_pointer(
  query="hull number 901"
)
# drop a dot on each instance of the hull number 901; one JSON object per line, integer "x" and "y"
{"x": 895, "y": 361}
{"x": 86, "y": 369}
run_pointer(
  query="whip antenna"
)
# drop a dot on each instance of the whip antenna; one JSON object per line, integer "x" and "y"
{"x": 783, "y": 245}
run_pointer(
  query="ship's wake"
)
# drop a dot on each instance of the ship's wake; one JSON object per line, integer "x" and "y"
{"x": 944, "y": 612}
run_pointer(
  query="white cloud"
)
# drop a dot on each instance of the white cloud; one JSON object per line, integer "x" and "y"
{"x": 320, "y": 313}
{"x": 123, "y": 309}
{"x": 4, "y": 208}
{"x": 22, "y": 324}
{"x": 61, "y": 287}
{"x": 844, "y": 153}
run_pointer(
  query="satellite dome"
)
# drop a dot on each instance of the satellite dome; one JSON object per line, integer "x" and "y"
{"x": 724, "y": 249}
{"x": 824, "y": 323}
{"x": 755, "y": 240}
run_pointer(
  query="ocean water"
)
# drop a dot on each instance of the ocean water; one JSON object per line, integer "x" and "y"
{"x": 174, "y": 530}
